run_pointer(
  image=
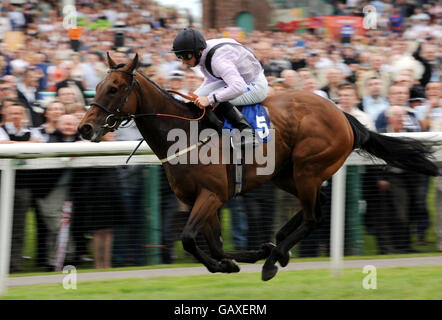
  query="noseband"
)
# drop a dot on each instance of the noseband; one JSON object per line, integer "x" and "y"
{"x": 112, "y": 118}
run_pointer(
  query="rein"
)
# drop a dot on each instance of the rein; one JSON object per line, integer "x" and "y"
{"x": 128, "y": 117}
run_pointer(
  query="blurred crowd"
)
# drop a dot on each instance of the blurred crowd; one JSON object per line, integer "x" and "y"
{"x": 389, "y": 78}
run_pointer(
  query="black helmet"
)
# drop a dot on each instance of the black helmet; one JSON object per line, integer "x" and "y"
{"x": 189, "y": 40}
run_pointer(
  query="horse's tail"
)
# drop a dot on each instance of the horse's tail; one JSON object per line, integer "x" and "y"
{"x": 405, "y": 153}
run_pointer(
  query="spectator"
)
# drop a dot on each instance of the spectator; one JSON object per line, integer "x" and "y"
{"x": 396, "y": 20}
{"x": 94, "y": 69}
{"x": 17, "y": 18}
{"x": 348, "y": 101}
{"x": 427, "y": 55}
{"x": 128, "y": 236}
{"x": 272, "y": 67}
{"x": 56, "y": 72}
{"x": 4, "y": 65}
{"x": 437, "y": 127}
{"x": 5, "y": 91}
{"x": 41, "y": 190}
{"x": 176, "y": 83}
{"x": 27, "y": 94}
{"x": 120, "y": 56}
{"x": 74, "y": 81}
{"x": 432, "y": 110}
{"x": 67, "y": 96}
{"x": 5, "y": 24}
{"x": 15, "y": 130}
{"x": 170, "y": 65}
{"x": 239, "y": 223}
{"x": 41, "y": 66}
{"x": 105, "y": 212}
{"x": 290, "y": 79}
{"x": 192, "y": 81}
{"x": 310, "y": 85}
{"x": 377, "y": 69}
{"x": 259, "y": 206}
{"x": 374, "y": 103}
{"x": 419, "y": 25}
{"x": 297, "y": 59}
{"x": 66, "y": 129}
{"x": 380, "y": 213}
{"x": 52, "y": 114}
{"x": 398, "y": 96}
{"x": 305, "y": 73}
{"x": 406, "y": 190}
{"x": 349, "y": 54}
{"x": 334, "y": 77}
{"x": 5, "y": 105}
{"x": 312, "y": 62}
{"x": 338, "y": 63}
{"x": 57, "y": 181}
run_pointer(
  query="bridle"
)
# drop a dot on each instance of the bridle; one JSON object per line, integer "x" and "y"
{"x": 115, "y": 118}
{"x": 111, "y": 115}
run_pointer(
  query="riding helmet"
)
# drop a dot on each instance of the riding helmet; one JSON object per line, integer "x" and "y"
{"x": 189, "y": 40}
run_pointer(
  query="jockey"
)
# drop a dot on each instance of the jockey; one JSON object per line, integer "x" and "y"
{"x": 233, "y": 75}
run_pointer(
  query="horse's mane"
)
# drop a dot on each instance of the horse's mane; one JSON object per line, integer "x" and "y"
{"x": 187, "y": 105}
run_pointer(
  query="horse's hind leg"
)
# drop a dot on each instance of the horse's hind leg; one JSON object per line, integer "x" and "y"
{"x": 308, "y": 187}
{"x": 288, "y": 185}
{"x": 203, "y": 212}
{"x": 292, "y": 225}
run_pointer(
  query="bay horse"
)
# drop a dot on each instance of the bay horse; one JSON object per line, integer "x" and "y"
{"x": 313, "y": 138}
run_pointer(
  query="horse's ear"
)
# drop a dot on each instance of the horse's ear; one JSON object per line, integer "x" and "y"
{"x": 133, "y": 64}
{"x": 110, "y": 61}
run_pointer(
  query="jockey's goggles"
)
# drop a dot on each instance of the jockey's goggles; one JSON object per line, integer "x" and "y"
{"x": 184, "y": 55}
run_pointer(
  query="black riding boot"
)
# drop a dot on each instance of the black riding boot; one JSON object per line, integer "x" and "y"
{"x": 237, "y": 119}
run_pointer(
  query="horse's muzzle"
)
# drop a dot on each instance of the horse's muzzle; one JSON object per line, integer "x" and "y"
{"x": 86, "y": 131}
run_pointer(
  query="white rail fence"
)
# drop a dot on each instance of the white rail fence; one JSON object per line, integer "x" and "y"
{"x": 75, "y": 155}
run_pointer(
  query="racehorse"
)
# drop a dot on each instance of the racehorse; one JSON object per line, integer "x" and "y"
{"x": 313, "y": 138}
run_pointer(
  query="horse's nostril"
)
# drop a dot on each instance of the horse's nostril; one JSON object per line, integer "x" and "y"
{"x": 85, "y": 131}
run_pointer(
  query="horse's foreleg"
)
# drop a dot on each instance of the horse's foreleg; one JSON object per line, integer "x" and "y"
{"x": 203, "y": 212}
{"x": 212, "y": 233}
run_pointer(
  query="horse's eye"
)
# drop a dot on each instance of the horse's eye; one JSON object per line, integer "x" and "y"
{"x": 113, "y": 90}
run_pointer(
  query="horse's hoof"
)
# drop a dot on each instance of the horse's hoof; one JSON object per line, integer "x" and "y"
{"x": 268, "y": 271}
{"x": 266, "y": 249}
{"x": 229, "y": 266}
{"x": 284, "y": 259}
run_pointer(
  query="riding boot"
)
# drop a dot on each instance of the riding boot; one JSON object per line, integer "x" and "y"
{"x": 238, "y": 121}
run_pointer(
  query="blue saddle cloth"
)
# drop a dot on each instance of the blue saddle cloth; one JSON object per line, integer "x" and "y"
{"x": 258, "y": 118}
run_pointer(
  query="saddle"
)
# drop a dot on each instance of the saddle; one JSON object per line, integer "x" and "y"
{"x": 256, "y": 114}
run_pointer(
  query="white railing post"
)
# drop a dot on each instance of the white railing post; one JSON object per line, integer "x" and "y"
{"x": 337, "y": 231}
{"x": 6, "y": 216}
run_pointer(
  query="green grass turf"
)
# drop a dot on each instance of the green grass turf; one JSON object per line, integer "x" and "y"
{"x": 392, "y": 283}
{"x": 196, "y": 264}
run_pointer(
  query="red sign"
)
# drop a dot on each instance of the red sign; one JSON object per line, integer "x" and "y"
{"x": 333, "y": 24}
